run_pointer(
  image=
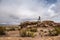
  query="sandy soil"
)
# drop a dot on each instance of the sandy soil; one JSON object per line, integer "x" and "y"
{"x": 14, "y": 35}
{"x": 29, "y": 38}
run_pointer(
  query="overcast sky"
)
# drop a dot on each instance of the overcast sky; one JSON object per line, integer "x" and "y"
{"x": 15, "y": 11}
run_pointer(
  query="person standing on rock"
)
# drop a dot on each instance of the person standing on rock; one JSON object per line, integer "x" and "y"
{"x": 39, "y": 18}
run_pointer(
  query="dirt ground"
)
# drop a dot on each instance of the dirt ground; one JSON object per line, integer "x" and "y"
{"x": 14, "y": 35}
{"x": 29, "y": 38}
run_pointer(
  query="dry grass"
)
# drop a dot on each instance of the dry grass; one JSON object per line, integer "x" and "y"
{"x": 15, "y": 34}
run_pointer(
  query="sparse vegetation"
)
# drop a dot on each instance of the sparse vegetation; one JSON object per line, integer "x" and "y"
{"x": 2, "y": 31}
{"x": 27, "y": 33}
{"x": 57, "y": 29}
{"x": 32, "y": 29}
{"x": 53, "y": 33}
{"x": 10, "y": 29}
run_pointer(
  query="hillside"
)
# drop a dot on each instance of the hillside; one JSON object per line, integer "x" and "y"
{"x": 32, "y": 30}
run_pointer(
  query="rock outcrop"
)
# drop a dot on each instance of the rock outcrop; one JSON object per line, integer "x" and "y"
{"x": 39, "y": 24}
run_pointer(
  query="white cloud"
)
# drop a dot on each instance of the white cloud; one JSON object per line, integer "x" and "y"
{"x": 50, "y": 11}
{"x": 17, "y": 10}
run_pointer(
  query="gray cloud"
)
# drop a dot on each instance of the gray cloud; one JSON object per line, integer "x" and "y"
{"x": 14, "y": 11}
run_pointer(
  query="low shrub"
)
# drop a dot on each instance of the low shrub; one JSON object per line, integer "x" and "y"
{"x": 57, "y": 29}
{"x": 2, "y": 31}
{"x": 53, "y": 33}
{"x": 32, "y": 29}
{"x": 10, "y": 29}
{"x": 26, "y": 33}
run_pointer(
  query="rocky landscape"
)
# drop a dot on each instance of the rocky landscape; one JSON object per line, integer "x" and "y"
{"x": 31, "y": 30}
